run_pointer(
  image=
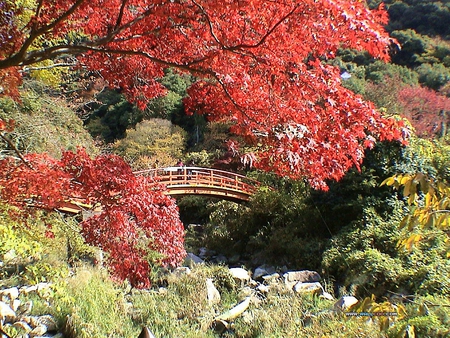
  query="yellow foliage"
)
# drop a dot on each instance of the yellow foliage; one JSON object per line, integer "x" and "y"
{"x": 429, "y": 202}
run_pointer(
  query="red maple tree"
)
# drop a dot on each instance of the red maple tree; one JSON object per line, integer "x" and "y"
{"x": 426, "y": 109}
{"x": 258, "y": 64}
{"x": 136, "y": 220}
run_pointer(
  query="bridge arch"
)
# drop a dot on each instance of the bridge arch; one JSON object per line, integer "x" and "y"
{"x": 182, "y": 181}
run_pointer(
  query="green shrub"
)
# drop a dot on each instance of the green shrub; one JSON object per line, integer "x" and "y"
{"x": 90, "y": 305}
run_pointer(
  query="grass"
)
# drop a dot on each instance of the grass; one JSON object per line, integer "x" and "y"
{"x": 90, "y": 304}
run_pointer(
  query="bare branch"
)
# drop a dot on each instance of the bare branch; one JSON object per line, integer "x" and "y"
{"x": 13, "y": 147}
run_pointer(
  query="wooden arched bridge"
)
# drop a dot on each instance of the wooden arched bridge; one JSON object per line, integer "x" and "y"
{"x": 181, "y": 181}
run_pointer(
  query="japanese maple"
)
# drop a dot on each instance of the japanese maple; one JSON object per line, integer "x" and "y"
{"x": 427, "y": 110}
{"x": 138, "y": 224}
{"x": 257, "y": 61}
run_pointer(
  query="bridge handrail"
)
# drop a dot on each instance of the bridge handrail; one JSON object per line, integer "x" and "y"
{"x": 198, "y": 175}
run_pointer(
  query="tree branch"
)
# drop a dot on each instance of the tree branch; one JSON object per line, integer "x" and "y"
{"x": 13, "y": 146}
{"x": 211, "y": 28}
{"x": 62, "y": 64}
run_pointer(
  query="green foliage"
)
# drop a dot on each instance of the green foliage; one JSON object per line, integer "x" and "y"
{"x": 153, "y": 141}
{"x": 365, "y": 255}
{"x": 275, "y": 227}
{"x": 19, "y": 242}
{"x": 428, "y": 17}
{"x": 111, "y": 116}
{"x": 426, "y": 316}
{"x": 91, "y": 305}
{"x": 43, "y": 123}
{"x": 433, "y": 76}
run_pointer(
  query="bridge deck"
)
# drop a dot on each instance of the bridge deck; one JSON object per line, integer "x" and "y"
{"x": 204, "y": 181}
{"x": 181, "y": 181}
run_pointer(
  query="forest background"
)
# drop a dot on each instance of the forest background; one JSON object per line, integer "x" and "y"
{"x": 351, "y": 233}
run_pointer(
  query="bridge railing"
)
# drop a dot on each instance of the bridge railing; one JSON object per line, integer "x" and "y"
{"x": 198, "y": 176}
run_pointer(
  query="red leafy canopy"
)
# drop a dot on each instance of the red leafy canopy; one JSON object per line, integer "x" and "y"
{"x": 137, "y": 218}
{"x": 257, "y": 60}
{"x": 426, "y": 109}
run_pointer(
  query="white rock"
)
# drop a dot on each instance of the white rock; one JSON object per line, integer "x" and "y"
{"x": 14, "y": 304}
{"x": 240, "y": 274}
{"x": 262, "y": 288}
{"x": 38, "y": 331}
{"x": 43, "y": 286}
{"x": 305, "y": 276}
{"x": 327, "y": 296}
{"x": 28, "y": 289}
{"x": 6, "y": 313}
{"x": 345, "y": 302}
{"x": 9, "y": 294}
{"x": 315, "y": 288}
{"x": 213, "y": 294}
{"x": 271, "y": 278}
{"x": 48, "y": 321}
{"x": 22, "y": 326}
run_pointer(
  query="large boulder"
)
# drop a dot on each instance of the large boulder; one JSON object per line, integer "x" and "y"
{"x": 304, "y": 276}
{"x": 7, "y": 315}
{"x": 213, "y": 294}
{"x": 344, "y": 303}
{"x": 314, "y": 288}
{"x": 240, "y": 274}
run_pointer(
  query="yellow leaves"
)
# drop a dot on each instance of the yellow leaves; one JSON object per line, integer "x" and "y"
{"x": 409, "y": 243}
{"x": 388, "y": 181}
{"x": 384, "y": 313}
{"x": 429, "y": 202}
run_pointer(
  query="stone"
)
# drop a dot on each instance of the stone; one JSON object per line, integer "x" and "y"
{"x": 204, "y": 253}
{"x": 32, "y": 320}
{"x": 22, "y": 326}
{"x": 14, "y": 304}
{"x": 304, "y": 276}
{"x": 28, "y": 289}
{"x": 262, "y": 288}
{"x": 263, "y": 270}
{"x": 192, "y": 259}
{"x": 315, "y": 288}
{"x": 48, "y": 321}
{"x": 220, "y": 259}
{"x": 38, "y": 331}
{"x": 9, "y": 294}
{"x": 345, "y": 302}
{"x": 271, "y": 278}
{"x": 240, "y": 274}
{"x": 7, "y": 315}
{"x": 326, "y": 296}
{"x": 43, "y": 287}
{"x": 146, "y": 333}
{"x": 213, "y": 294}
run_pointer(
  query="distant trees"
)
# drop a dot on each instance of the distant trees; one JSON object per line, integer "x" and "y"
{"x": 428, "y": 111}
{"x": 154, "y": 142}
